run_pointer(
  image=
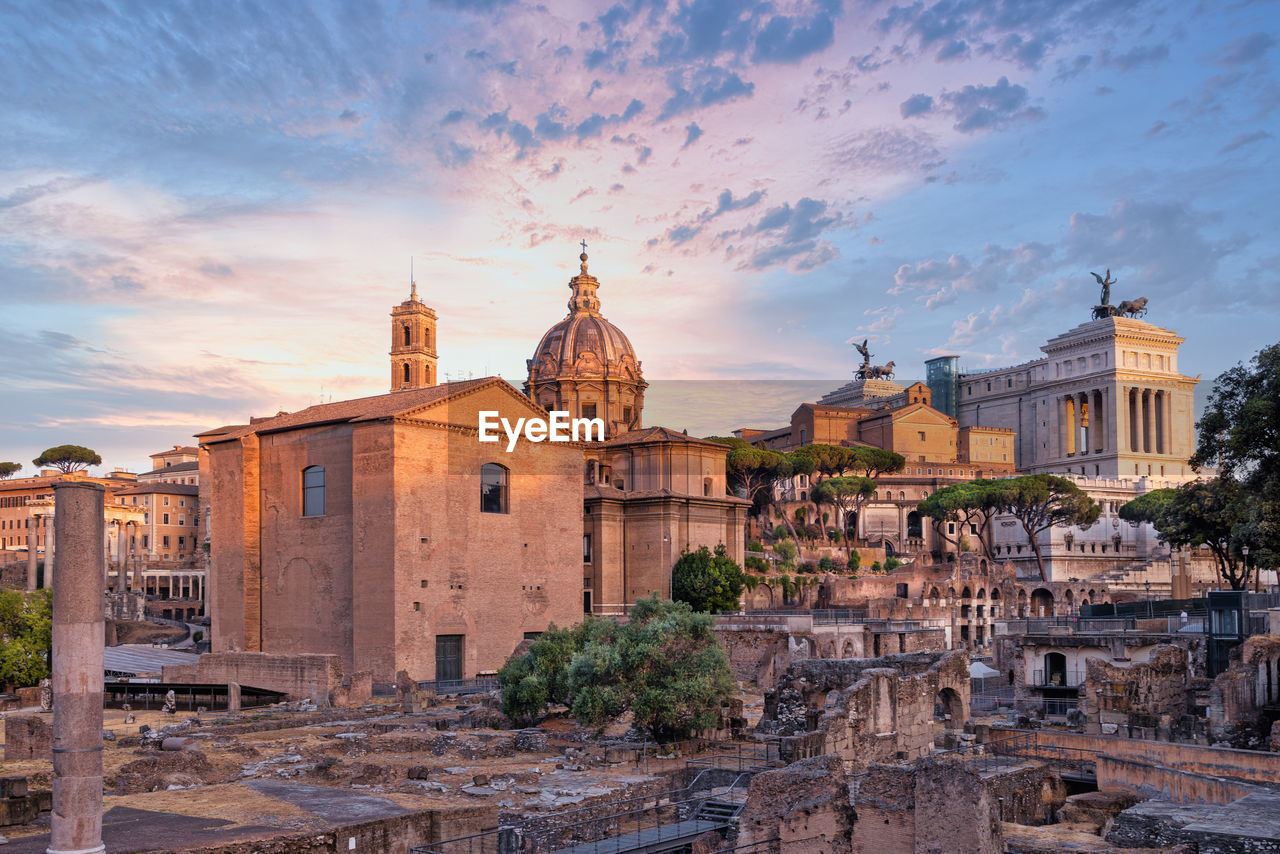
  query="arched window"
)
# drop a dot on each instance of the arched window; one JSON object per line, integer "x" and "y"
{"x": 408, "y": 335}
{"x": 493, "y": 488}
{"x": 406, "y": 371}
{"x": 313, "y": 491}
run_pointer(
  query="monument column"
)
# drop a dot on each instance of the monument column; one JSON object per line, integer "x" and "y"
{"x": 1146, "y": 420}
{"x": 50, "y": 529}
{"x": 137, "y": 559}
{"x": 78, "y": 634}
{"x": 33, "y": 539}
{"x": 122, "y": 556}
{"x": 1112, "y": 438}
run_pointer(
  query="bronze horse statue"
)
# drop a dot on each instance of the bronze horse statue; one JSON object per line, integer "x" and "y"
{"x": 1133, "y": 308}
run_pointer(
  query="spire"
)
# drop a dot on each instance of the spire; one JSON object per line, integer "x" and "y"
{"x": 584, "y": 284}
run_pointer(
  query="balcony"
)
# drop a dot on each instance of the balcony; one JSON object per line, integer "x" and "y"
{"x": 1071, "y": 677}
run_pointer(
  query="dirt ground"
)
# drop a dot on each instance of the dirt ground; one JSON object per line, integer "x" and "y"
{"x": 405, "y": 759}
{"x": 129, "y": 631}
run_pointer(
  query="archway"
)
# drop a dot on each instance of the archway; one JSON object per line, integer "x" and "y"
{"x": 1022, "y": 602}
{"x": 1041, "y": 603}
{"x": 1069, "y": 602}
{"x": 1055, "y": 669}
{"x": 947, "y": 709}
{"x": 915, "y": 529}
{"x": 982, "y": 593}
{"x": 966, "y": 593}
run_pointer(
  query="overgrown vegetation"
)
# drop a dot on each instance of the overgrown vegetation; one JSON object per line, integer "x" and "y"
{"x": 26, "y": 630}
{"x": 707, "y": 581}
{"x": 665, "y": 666}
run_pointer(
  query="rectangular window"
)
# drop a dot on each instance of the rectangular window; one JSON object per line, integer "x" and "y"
{"x": 166, "y": 501}
{"x": 626, "y": 415}
{"x": 588, "y": 410}
{"x": 182, "y": 542}
{"x": 144, "y": 540}
{"x": 166, "y": 541}
{"x": 313, "y": 491}
{"x": 166, "y": 518}
{"x": 921, "y": 435}
{"x": 493, "y": 488}
{"x": 182, "y": 520}
{"x": 586, "y": 548}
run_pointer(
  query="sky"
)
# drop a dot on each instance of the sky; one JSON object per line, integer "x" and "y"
{"x": 207, "y": 211}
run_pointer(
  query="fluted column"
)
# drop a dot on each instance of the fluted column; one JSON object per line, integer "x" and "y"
{"x": 76, "y": 823}
{"x": 1147, "y": 420}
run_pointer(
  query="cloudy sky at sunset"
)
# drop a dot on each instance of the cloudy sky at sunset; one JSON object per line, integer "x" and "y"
{"x": 207, "y": 210}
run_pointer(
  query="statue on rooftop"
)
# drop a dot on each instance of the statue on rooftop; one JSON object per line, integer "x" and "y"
{"x": 1105, "y": 298}
{"x": 866, "y": 354}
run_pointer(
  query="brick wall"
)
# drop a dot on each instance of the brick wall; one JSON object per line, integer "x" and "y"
{"x": 318, "y": 677}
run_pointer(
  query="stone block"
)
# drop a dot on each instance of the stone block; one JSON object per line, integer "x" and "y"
{"x": 13, "y": 787}
{"x": 27, "y": 737}
{"x": 18, "y": 811}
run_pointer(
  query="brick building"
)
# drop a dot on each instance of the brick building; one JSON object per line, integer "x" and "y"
{"x": 383, "y": 531}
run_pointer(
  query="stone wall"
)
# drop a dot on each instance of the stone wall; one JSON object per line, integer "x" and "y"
{"x": 1152, "y": 694}
{"x": 126, "y": 606}
{"x": 318, "y": 677}
{"x": 1238, "y": 694}
{"x": 28, "y": 737}
{"x": 932, "y": 807}
{"x": 804, "y": 808}
{"x": 1247, "y": 766}
{"x": 868, "y": 710}
{"x": 756, "y": 655}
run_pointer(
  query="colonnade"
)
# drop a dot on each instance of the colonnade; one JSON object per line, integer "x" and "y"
{"x": 1089, "y": 422}
{"x": 1149, "y": 414}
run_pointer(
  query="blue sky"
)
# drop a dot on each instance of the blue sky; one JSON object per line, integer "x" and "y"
{"x": 206, "y": 212}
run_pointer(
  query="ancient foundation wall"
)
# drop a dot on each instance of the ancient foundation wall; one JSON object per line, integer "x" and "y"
{"x": 1156, "y": 781}
{"x": 28, "y": 737}
{"x": 1248, "y": 766}
{"x": 318, "y": 677}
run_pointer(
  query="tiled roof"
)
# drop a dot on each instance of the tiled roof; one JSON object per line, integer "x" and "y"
{"x": 164, "y": 488}
{"x": 659, "y": 434}
{"x": 176, "y": 467}
{"x": 362, "y": 408}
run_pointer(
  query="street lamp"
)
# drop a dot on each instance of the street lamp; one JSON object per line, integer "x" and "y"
{"x": 1244, "y": 552}
{"x": 1147, "y": 584}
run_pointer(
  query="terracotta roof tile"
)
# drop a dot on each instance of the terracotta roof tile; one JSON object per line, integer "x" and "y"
{"x": 364, "y": 408}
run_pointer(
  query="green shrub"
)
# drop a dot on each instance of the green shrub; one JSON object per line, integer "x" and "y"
{"x": 707, "y": 581}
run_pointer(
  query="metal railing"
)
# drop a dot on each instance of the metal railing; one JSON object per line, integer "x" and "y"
{"x": 617, "y": 828}
{"x": 478, "y": 685}
{"x": 1072, "y": 677}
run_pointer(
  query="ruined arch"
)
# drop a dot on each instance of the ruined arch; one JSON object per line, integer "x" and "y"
{"x": 948, "y": 709}
{"x": 966, "y": 593}
{"x": 1022, "y": 602}
{"x": 1041, "y": 603}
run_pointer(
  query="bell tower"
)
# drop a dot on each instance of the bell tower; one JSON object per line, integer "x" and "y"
{"x": 413, "y": 343}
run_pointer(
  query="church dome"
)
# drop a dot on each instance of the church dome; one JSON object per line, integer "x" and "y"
{"x": 584, "y": 362}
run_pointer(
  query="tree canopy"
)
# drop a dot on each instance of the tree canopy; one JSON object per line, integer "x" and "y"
{"x": 1239, "y": 433}
{"x": 26, "y": 627}
{"x": 1041, "y": 501}
{"x": 836, "y": 460}
{"x": 665, "y": 665}
{"x": 847, "y": 494}
{"x": 707, "y": 581}
{"x": 8, "y": 470}
{"x": 68, "y": 458}
{"x": 971, "y": 503}
{"x": 1217, "y": 513}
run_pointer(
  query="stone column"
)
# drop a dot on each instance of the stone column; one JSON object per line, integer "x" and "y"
{"x": 1147, "y": 405}
{"x": 137, "y": 558}
{"x": 33, "y": 540}
{"x": 122, "y": 555}
{"x": 50, "y": 528}
{"x": 76, "y": 825}
{"x": 104, "y": 555}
